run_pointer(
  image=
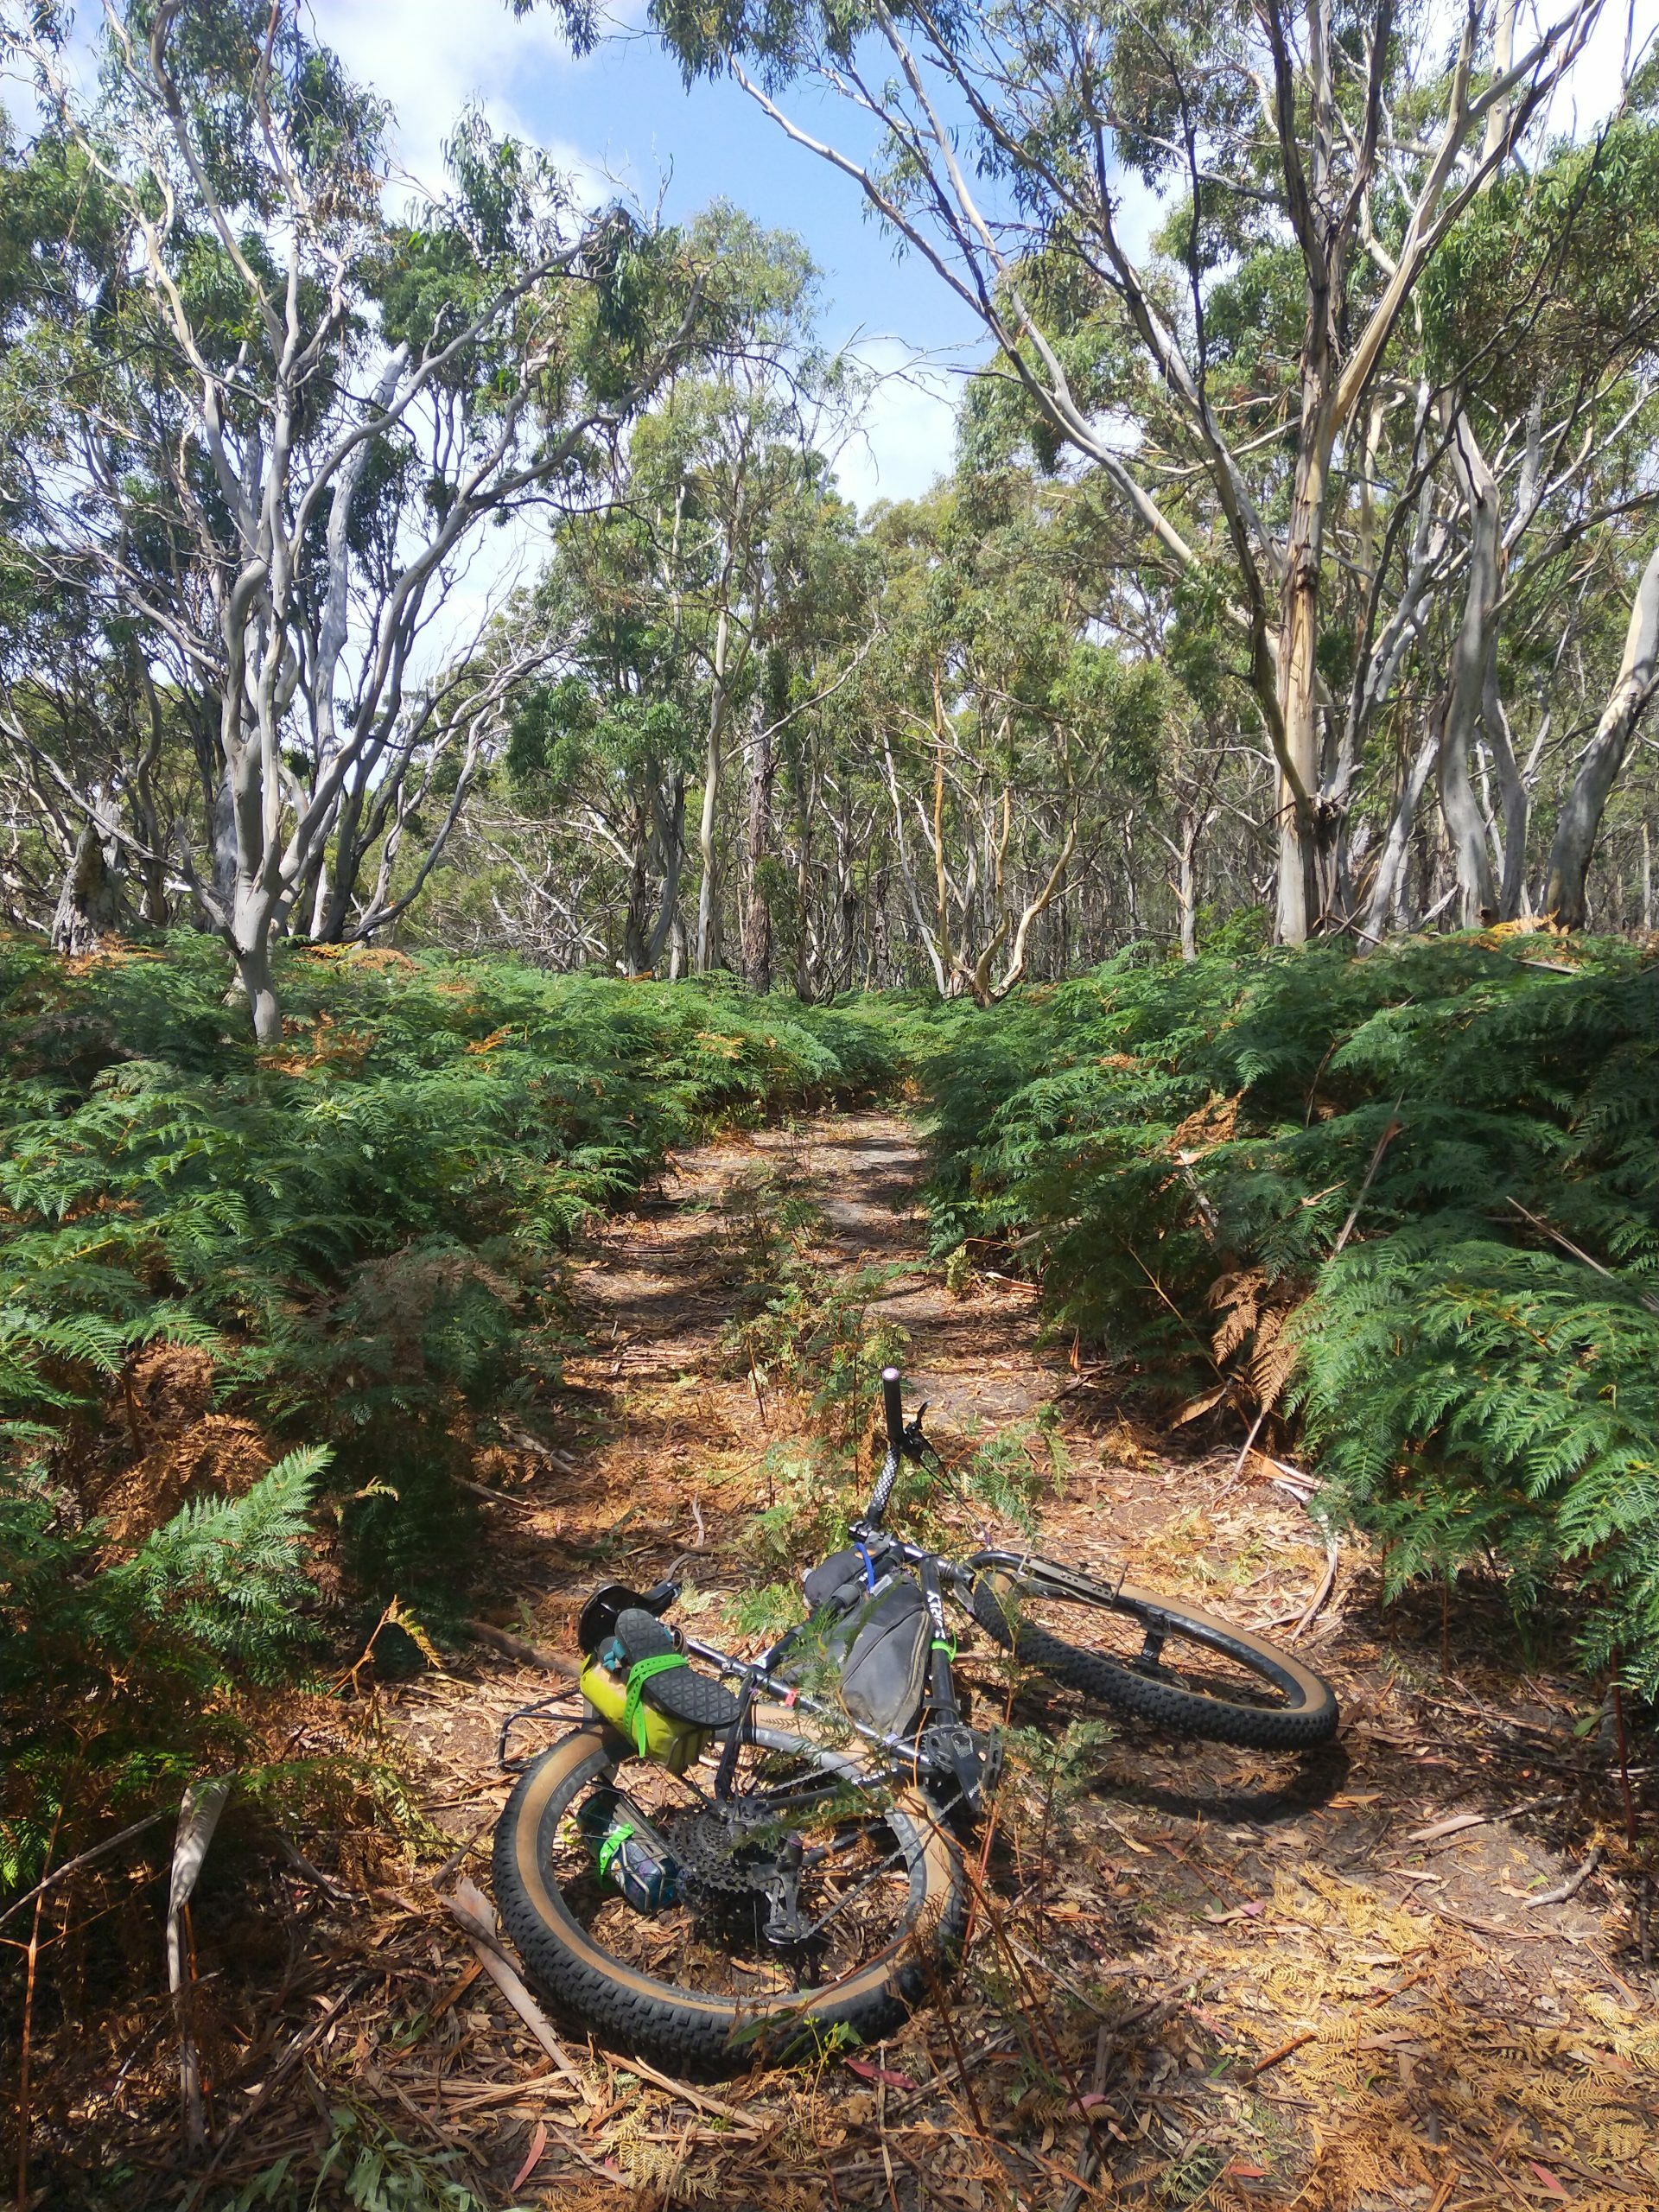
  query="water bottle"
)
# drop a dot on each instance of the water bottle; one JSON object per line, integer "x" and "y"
{"x": 627, "y": 1854}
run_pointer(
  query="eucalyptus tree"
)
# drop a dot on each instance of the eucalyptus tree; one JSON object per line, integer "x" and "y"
{"x": 1634, "y": 691}
{"x": 1311, "y": 162}
{"x": 303, "y": 408}
{"x": 1529, "y": 472}
{"x": 682, "y": 619}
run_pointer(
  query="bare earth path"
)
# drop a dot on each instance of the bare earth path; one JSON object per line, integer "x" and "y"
{"x": 1327, "y": 1984}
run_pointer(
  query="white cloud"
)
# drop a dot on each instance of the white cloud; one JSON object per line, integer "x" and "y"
{"x": 907, "y": 433}
{"x": 1595, "y": 82}
{"x": 430, "y": 58}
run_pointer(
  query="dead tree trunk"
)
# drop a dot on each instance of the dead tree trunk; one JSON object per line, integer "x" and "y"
{"x": 89, "y": 905}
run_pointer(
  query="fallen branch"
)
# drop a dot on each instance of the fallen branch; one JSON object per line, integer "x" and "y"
{"x": 1573, "y": 1882}
{"x": 527, "y": 1655}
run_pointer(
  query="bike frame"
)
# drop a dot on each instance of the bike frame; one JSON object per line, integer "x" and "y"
{"x": 949, "y": 1742}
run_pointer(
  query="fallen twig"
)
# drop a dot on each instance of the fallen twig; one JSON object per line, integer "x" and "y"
{"x": 1332, "y": 1553}
{"x": 1276, "y": 2057}
{"x": 284, "y": 2066}
{"x": 474, "y": 1914}
{"x": 1455, "y": 1823}
{"x": 1392, "y": 1129}
{"x": 494, "y": 1496}
{"x": 1105, "y": 2048}
{"x": 1243, "y": 1454}
{"x": 1579, "y": 1253}
{"x": 84, "y": 1859}
{"x": 34, "y": 1952}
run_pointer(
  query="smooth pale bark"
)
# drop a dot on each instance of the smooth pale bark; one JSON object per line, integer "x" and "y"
{"x": 989, "y": 994}
{"x": 1329, "y": 153}
{"x": 1581, "y": 811}
{"x": 1476, "y": 698}
{"x": 658, "y": 848}
{"x": 253, "y": 967}
{"x": 283, "y": 435}
{"x": 707, "y": 946}
{"x": 1186, "y": 890}
{"x": 1466, "y": 692}
{"x": 1397, "y": 846}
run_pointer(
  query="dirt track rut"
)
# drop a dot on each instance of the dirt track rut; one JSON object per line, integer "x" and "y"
{"x": 1447, "y": 2031}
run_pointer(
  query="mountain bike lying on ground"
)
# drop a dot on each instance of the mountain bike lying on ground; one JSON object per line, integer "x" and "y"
{"x": 722, "y": 1866}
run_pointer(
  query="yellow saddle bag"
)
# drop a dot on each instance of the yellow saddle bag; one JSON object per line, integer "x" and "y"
{"x": 617, "y": 1696}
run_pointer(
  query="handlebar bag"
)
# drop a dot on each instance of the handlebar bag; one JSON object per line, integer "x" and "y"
{"x": 884, "y": 1674}
{"x": 846, "y": 1578}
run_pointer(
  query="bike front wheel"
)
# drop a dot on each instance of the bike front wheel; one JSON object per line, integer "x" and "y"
{"x": 1186, "y": 1671}
{"x": 702, "y": 1985}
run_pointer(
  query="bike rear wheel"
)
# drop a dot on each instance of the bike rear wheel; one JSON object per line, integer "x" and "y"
{"x": 697, "y": 1987}
{"x": 1186, "y": 1671}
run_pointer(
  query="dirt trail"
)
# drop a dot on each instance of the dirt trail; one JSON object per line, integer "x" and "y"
{"x": 1284, "y": 1990}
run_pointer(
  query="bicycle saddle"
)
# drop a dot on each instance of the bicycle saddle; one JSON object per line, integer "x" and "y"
{"x": 698, "y": 1700}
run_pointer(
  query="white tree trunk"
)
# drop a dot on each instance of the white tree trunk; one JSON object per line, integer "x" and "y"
{"x": 1582, "y": 808}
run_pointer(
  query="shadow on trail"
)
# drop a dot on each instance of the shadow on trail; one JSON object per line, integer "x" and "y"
{"x": 1313, "y": 1781}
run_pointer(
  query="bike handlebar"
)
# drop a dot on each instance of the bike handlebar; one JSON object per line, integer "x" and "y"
{"x": 902, "y": 1442}
{"x": 894, "y": 1401}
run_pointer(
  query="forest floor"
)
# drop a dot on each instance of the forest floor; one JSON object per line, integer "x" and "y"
{"x": 1332, "y": 1983}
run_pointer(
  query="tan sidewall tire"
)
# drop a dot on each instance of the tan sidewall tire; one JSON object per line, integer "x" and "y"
{"x": 681, "y": 2029}
{"x": 1309, "y": 1718}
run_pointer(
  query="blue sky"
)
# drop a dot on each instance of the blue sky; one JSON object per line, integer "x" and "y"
{"x": 623, "y": 114}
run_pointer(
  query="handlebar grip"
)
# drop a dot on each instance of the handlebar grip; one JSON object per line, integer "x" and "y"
{"x": 893, "y": 1398}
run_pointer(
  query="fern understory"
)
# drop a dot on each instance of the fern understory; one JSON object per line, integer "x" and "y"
{"x": 350, "y": 1249}
{"x": 1401, "y": 1209}
{"x": 264, "y": 1314}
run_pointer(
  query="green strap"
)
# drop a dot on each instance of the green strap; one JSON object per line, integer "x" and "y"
{"x": 613, "y": 1843}
{"x": 639, "y": 1674}
{"x": 949, "y": 1650}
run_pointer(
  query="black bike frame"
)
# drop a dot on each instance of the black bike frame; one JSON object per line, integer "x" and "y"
{"x": 937, "y": 1577}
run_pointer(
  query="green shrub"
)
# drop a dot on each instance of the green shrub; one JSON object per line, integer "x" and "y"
{"x": 362, "y": 1227}
{"x": 1178, "y": 1149}
{"x": 114, "y": 1676}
